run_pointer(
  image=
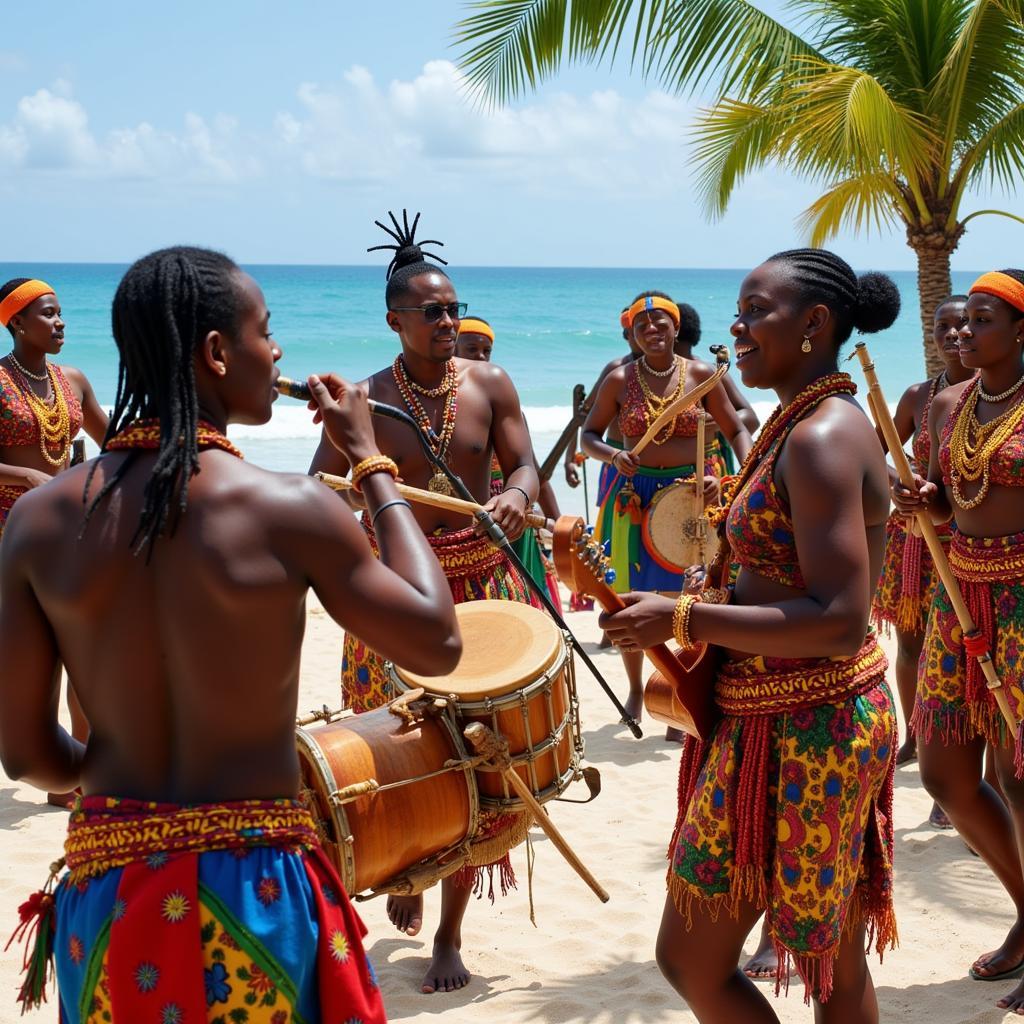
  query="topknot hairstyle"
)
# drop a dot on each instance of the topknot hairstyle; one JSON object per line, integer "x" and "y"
{"x": 6, "y": 289}
{"x": 409, "y": 260}
{"x": 165, "y": 304}
{"x": 868, "y": 303}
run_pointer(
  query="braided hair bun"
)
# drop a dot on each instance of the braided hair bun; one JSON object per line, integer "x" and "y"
{"x": 878, "y": 303}
{"x": 410, "y": 259}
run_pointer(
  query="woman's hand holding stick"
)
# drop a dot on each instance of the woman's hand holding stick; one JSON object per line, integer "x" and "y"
{"x": 884, "y": 420}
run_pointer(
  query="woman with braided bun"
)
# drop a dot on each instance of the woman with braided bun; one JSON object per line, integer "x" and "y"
{"x": 43, "y": 406}
{"x": 975, "y": 475}
{"x": 787, "y": 809}
{"x": 633, "y": 395}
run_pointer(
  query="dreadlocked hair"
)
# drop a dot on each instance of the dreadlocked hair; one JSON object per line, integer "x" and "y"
{"x": 6, "y": 289}
{"x": 164, "y": 305}
{"x": 868, "y": 303}
{"x": 409, "y": 260}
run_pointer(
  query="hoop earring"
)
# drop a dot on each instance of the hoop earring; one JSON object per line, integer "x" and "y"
{"x": 806, "y": 346}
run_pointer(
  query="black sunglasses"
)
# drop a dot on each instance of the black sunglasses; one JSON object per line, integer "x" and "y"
{"x": 434, "y": 312}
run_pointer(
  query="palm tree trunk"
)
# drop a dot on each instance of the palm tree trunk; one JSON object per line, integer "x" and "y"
{"x": 933, "y": 249}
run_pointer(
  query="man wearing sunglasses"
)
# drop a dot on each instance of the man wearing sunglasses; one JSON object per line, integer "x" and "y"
{"x": 469, "y": 410}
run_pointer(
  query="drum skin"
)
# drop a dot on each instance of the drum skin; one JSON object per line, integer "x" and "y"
{"x": 673, "y": 535}
{"x": 513, "y": 678}
{"x": 393, "y": 830}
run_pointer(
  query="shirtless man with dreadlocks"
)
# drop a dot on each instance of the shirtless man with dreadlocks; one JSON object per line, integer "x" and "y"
{"x": 470, "y": 410}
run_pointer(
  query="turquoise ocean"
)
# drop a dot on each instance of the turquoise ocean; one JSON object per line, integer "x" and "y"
{"x": 555, "y": 327}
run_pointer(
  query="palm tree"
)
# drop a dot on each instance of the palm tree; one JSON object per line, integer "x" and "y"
{"x": 895, "y": 107}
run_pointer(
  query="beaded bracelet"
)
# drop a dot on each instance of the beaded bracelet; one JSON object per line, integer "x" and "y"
{"x": 385, "y": 507}
{"x": 374, "y": 464}
{"x": 681, "y": 622}
{"x": 512, "y": 487}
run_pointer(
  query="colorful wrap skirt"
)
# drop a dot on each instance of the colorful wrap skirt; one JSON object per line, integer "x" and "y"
{"x": 908, "y": 579}
{"x": 789, "y": 806}
{"x": 214, "y": 912}
{"x": 952, "y": 698}
{"x": 475, "y": 571}
{"x": 541, "y": 571}
{"x": 9, "y": 494}
{"x": 620, "y": 517}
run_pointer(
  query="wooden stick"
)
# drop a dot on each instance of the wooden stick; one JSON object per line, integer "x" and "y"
{"x": 442, "y": 501}
{"x": 484, "y": 742}
{"x": 685, "y": 400}
{"x": 880, "y": 410}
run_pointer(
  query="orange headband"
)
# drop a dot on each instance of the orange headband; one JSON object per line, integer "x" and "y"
{"x": 22, "y": 296}
{"x": 645, "y": 305}
{"x": 1002, "y": 286}
{"x": 470, "y": 325}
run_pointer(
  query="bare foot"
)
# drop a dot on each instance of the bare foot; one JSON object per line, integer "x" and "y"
{"x": 1014, "y": 1000}
{"x": 635, "y": 705}
{"x": 674, "y": 735}
{"x": 938, "y": 818}
{"x": 605, "y": 642}
{"x": 63, "y": 800}
{"x": 1004, "y": 961}
{"x": 406, "y": 913}
{"x": 446, "y": 972}
{"x": 764, "y": 963}
{"x": 907, "y": 752}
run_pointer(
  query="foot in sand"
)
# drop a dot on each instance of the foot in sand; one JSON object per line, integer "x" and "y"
{"x": 939, "y": 819}
{"x": 674, "y": 735}
{"x": 908, "y": 752}
{"x": 635, "y": 704}
{"x": 764, "y": 963}
{"x": 1004, "y": 962}
{"x": 63, "y": 800}
{"x": 1014, "y": 1000}
{"x": 406, "y": 913}
{"x": 446, "y": 972}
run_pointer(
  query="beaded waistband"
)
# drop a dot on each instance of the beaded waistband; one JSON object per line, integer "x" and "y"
{"x": 987, "y": 559}
{"x": 460, "y": 552}
{"x": 9, "y": 494}
{"x": 107, "y": 832}
{"x": 753, "y": 686}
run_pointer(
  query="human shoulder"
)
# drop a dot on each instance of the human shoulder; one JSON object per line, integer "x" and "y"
{"x": 838, "y": 424}
{"x": 945, "y": 401}
{"x": 699, "y": 370}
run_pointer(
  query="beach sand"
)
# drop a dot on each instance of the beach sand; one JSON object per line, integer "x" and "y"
{"x": 584, "y": 961}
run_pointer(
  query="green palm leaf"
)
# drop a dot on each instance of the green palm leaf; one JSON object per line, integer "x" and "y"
{"x": 869, "y": 202}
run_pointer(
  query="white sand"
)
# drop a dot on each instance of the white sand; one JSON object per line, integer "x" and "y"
{"x": 585, "y": 961}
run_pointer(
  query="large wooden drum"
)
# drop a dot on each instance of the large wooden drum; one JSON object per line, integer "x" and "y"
{"x": 517, "y": 677}
{"x": 389, "y": 791}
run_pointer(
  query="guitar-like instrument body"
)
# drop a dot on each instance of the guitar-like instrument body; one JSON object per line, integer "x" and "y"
{"x": 681, "y": 692}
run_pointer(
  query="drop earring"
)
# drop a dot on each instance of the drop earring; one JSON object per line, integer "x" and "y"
{"x": 806, "y": 346}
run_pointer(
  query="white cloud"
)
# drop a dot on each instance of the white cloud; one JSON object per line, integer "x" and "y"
{"x": 50, "y": 131}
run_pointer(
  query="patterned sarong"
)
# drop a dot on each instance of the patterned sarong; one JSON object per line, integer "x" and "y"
{"x": 906, "y": 585}
{"x": 475, "y": 571}
{"x": 212, "y": 913}
{"x": 9, "y": 494}
{"x": 952, "y": 698}
{"x": 789, "y": 806}
{"x": 620, "y": 520}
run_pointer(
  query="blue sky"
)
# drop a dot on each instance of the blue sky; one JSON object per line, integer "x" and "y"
{"x": 279, "y": 132}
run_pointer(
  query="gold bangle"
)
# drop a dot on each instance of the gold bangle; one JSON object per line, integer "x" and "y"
{"x": 374, "y": 464}
{"x": 681, "y": 622}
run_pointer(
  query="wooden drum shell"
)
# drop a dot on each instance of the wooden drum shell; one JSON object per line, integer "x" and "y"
{"x": 373, "y": 838}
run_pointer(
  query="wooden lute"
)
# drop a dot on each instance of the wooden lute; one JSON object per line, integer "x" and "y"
{"x": 681, "y": 692}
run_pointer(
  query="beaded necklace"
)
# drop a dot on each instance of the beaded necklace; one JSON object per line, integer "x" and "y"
{"x": 145, "y": 434}
{"x": 439, "y": 442}
{"x": 655, "y": 404}
{"x": 54, "y": 421}
{"x": 775, "y": 427}
{"x": 28, "y": 373}
{"x": 972, "y": 444}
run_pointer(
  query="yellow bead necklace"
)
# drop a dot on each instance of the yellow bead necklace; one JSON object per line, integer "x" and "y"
{"x": 656, "y": 403}
{"x": 53, "y": 420}
{"x": 972, "y": 444}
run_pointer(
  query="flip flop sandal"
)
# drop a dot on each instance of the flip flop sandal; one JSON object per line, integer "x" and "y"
{"x": 1013, "y": 972}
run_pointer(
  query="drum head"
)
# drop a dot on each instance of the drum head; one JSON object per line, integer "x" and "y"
{"x": 672, "y": 536}
{"x": 505, "y": 645}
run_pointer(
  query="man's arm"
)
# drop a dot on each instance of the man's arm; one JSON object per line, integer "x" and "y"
{"x": 33, "y": 745}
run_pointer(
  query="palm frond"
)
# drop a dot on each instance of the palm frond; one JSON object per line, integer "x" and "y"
{"x": 865, "y": 203}
{"x": 997, "y": 158}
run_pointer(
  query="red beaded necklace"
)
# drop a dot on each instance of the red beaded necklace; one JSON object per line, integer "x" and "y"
{"x": 145, "y": 434}
{"x": 439, "y": 441}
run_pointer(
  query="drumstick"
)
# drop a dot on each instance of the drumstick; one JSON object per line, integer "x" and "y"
{"x": 442, "y": 501}
{"x": 879, "y": 408}
{"x": 685, "y": 400}
{"x": 487, "y": 745}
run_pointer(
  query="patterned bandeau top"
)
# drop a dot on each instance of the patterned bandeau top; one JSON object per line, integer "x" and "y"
{"x": 18, "y": 424}
{"x": 635, "y": 418}
{"x": 1006, "y": 468}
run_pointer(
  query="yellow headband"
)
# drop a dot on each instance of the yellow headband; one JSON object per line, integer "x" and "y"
{"x": 648, "y": 303}
{"x": 22, "y": 296}
{"x": 470, "y": 325}
{"x": 1002, "y": 286}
